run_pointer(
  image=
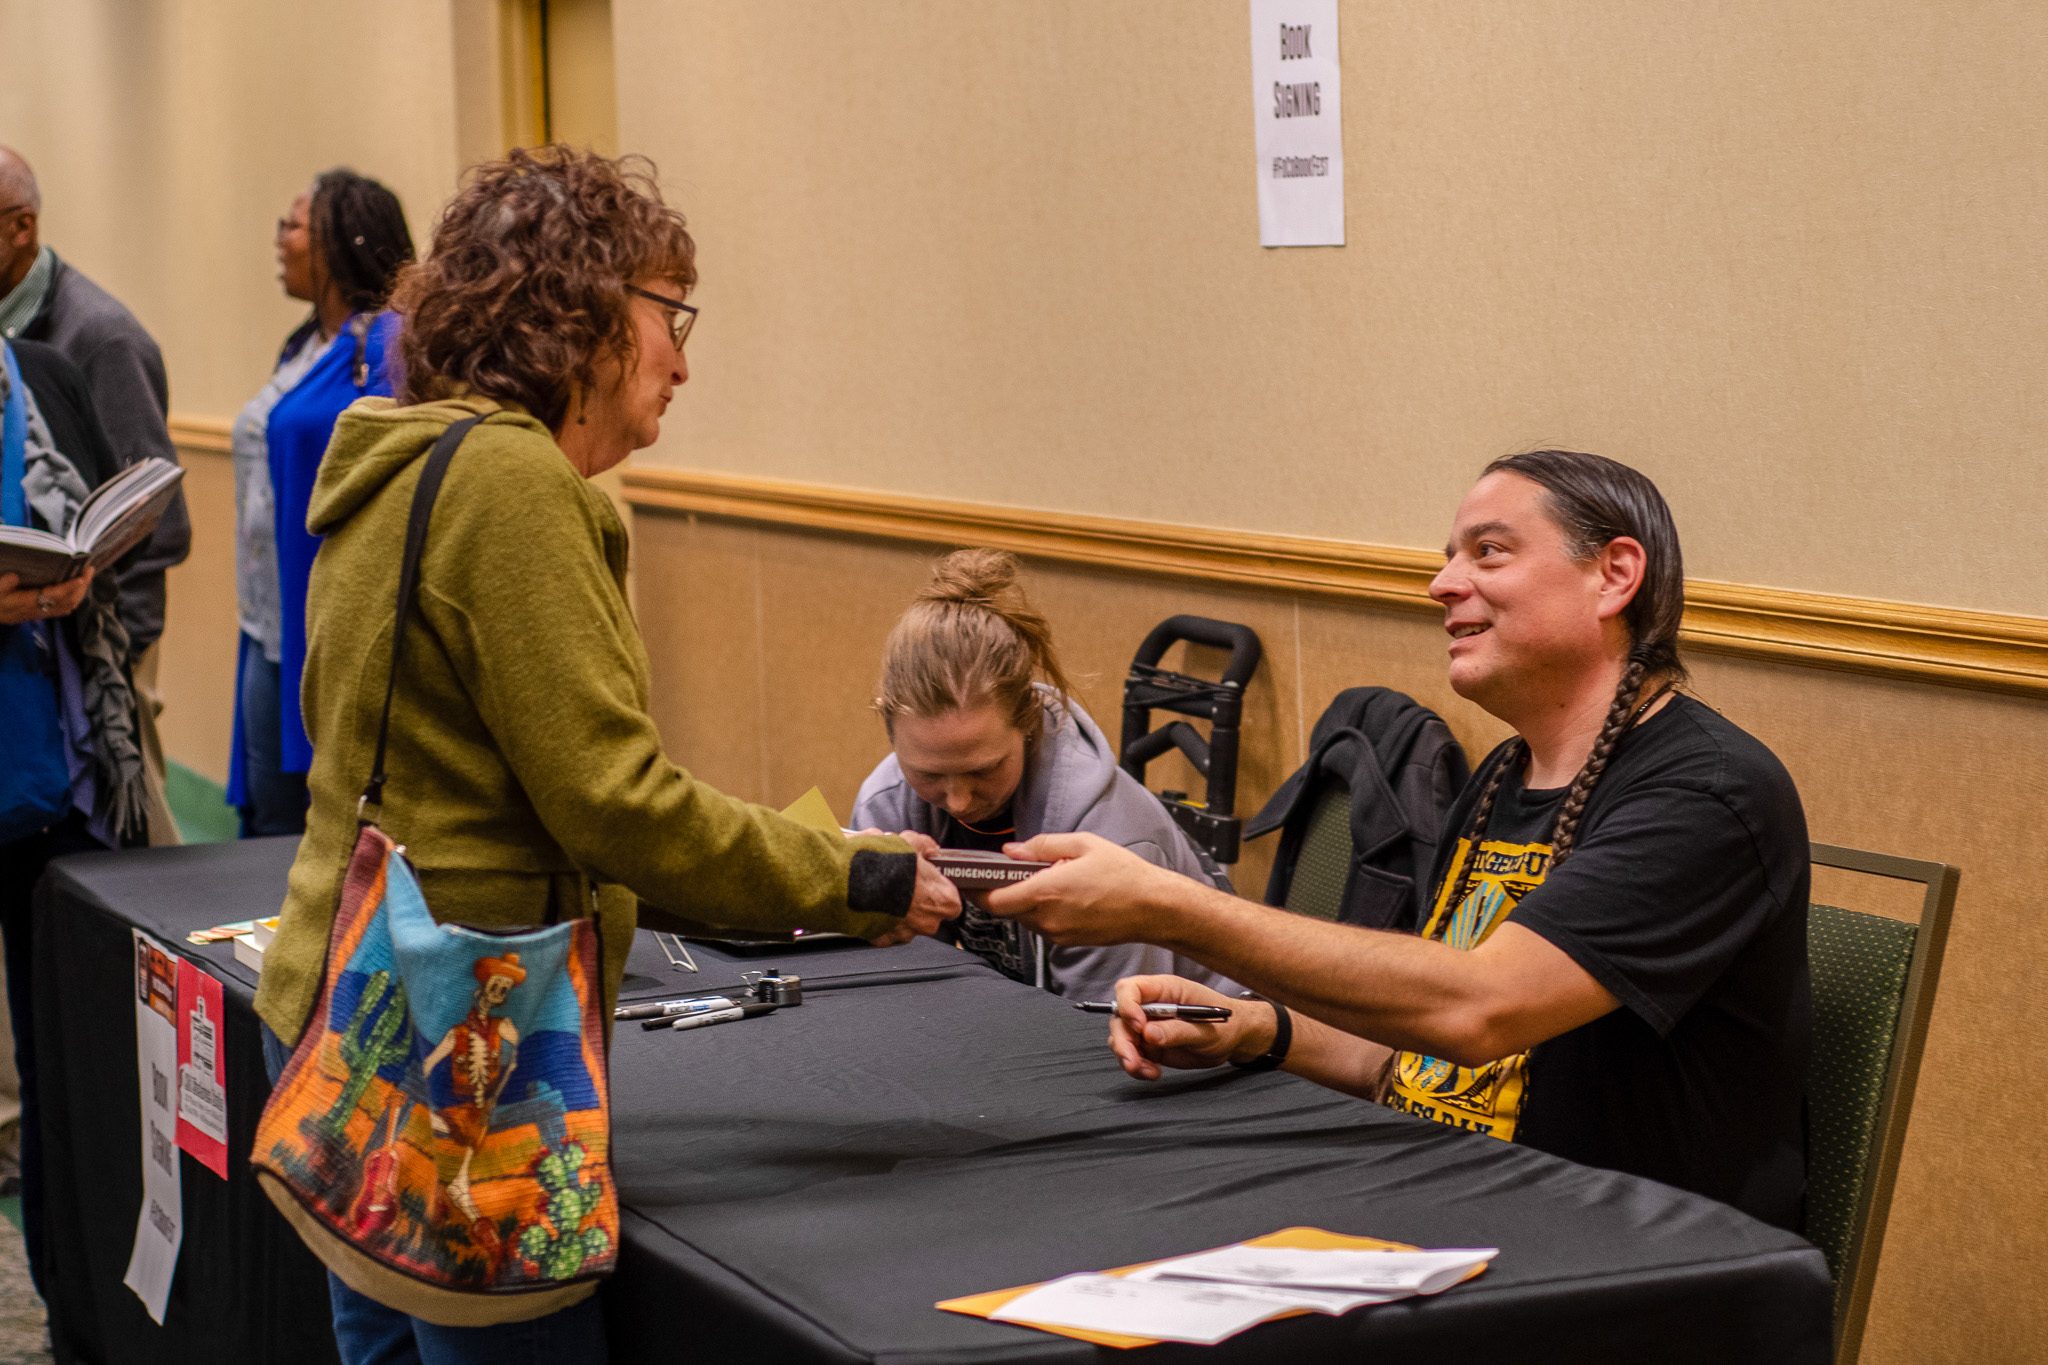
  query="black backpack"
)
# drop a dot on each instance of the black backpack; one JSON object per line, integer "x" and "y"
{"x": 1360, "y": 821}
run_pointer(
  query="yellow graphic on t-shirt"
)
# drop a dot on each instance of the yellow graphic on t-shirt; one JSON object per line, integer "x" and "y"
{"x": 1486, "y": 1099}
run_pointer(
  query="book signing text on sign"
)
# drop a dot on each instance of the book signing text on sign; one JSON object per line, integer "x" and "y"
{"x": 1298, "y": 121}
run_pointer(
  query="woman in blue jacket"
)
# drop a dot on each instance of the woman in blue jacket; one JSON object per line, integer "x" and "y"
{"x": 339, "y": 249}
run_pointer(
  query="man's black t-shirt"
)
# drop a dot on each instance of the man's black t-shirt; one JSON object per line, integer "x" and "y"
{"x": 1686, "y": 898}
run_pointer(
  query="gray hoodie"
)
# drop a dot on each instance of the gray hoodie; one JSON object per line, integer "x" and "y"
{"x": 1072, "y": 784}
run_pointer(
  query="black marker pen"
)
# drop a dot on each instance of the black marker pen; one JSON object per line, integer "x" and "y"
{"x": 663, "y": 1010}
{"x": 746, "y": 1011}
{"x": 1193, "y": 1014}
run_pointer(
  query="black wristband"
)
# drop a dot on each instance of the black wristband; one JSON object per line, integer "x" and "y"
{"x": 1283, "y": 1038}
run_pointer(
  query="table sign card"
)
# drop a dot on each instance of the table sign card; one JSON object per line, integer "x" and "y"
{"x": 1298, "y": 122}
{"x": 202, "y": 1084}
{"x": 159, "y": 1227}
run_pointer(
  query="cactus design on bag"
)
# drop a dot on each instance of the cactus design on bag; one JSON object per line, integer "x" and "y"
{"x": 562, "y": 1246}
{"x": 377, "y": 1035}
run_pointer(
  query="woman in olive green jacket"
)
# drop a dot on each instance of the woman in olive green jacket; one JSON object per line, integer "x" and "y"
{"x": 524, "y": 769}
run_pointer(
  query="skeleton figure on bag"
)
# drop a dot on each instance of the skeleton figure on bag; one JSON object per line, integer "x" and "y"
{"x": 481, "y": 1051}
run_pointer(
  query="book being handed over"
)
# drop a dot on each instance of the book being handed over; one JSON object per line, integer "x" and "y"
{"x": 119, "y": 513}
{"x": 975, "y": 870}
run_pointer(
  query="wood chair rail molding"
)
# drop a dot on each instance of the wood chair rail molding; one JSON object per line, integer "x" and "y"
{"x": 202, "y": 435}
{"x": 1983, "y": 650}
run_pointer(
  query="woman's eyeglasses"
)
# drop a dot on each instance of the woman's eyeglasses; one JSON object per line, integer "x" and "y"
{"x": 685, "y": 315}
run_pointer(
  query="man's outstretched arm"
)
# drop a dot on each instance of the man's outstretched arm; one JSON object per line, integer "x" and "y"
{"x": 1510, "y": 993}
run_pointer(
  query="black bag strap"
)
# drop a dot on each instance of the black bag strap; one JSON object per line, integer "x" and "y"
{"x": 408, "y": 584}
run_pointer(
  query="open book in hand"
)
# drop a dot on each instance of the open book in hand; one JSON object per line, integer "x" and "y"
{"x": 119, "y": 513}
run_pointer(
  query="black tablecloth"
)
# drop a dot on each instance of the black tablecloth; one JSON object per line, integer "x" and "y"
{"x": 245, "y": 1289}
{"x": 804, "y": 1186}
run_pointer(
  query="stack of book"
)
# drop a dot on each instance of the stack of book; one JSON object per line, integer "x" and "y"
{"x": 250, "y": 947}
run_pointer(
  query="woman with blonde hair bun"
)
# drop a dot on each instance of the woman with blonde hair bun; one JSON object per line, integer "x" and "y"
{"x": 990, "y": 747}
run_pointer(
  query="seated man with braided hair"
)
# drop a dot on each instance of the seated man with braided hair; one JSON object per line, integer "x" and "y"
{"x": 1614, "y": 969}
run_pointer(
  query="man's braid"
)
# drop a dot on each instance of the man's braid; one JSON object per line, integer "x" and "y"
{"x": 1475, "y": 830}
{"x": 1566, "y": 832}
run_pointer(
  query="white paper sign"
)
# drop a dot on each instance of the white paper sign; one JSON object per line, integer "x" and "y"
{"x": 159, "y": 1227}
{"x": 1298, "y": 120}
{"x": 201, "y": 1100}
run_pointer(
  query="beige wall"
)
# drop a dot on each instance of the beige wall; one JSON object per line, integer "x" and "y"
{"x": 169, "y": 136}
{"x": 1783, "y": 256}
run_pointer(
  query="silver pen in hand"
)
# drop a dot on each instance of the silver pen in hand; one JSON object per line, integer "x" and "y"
{"x": 1193, "y": 1014}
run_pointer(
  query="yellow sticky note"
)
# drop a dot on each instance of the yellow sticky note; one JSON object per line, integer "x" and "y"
{"x": 813, "y": 811}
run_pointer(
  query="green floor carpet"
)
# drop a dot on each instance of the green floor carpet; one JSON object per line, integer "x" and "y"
{"x": 200, "y": 806}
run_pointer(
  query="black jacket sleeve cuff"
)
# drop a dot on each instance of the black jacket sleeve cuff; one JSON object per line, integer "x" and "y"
{"x": 881, "y": 883}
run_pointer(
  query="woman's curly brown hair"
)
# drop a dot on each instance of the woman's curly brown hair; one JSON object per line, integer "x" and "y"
{"x": 523, "y": 294}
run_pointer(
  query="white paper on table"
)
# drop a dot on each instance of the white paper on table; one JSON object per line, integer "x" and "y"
{"x": 1413, "y": 1272}
{"x": 1165, "y": 1310}
{"x": 1331, "y": 1301}
{"x": 159, "y": 1227}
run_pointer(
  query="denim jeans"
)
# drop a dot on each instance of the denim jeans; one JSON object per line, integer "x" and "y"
{"x": 275, "y": 800}
{"x": 368, "y": 1333}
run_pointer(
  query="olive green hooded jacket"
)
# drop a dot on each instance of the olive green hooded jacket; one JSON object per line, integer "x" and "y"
{"x": 523, "y": 768}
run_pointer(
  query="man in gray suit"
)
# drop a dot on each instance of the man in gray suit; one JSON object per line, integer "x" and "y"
{"x": 44, "y": 298}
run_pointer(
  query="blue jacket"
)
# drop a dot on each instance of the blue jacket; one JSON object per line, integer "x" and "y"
{"x": 299, "y": 428}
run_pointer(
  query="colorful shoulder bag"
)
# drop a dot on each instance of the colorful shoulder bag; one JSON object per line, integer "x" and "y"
{"x": 441, "y": 1135}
